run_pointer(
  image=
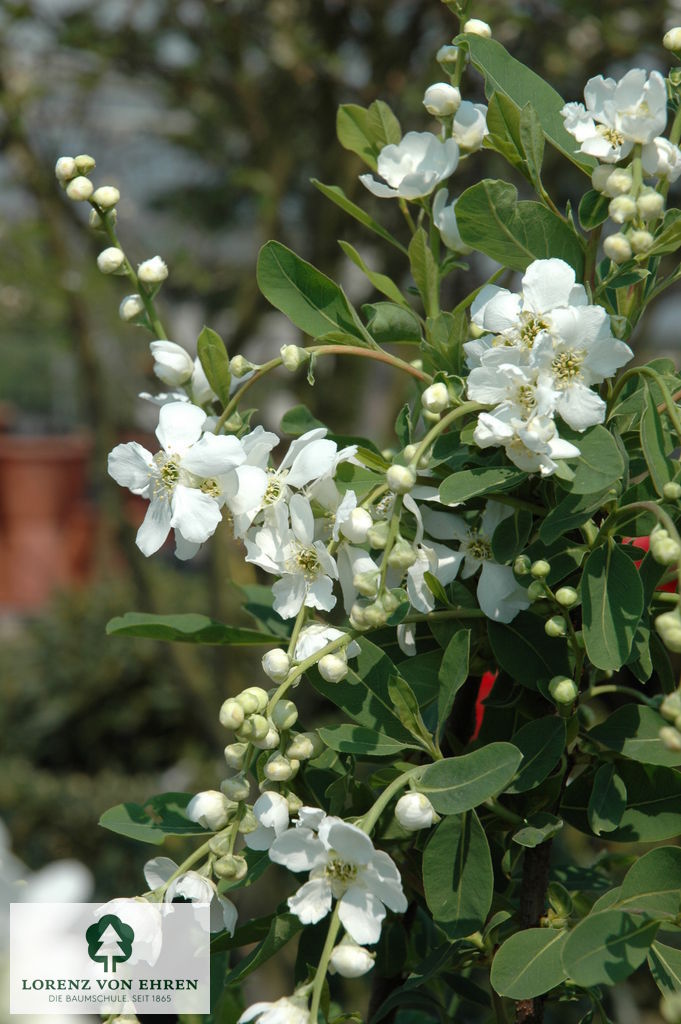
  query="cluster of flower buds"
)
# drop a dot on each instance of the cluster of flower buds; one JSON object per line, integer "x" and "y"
{"x": 668, "y": 626}
{"x": 670, "y": 709}
{"x": 664, "y": 548}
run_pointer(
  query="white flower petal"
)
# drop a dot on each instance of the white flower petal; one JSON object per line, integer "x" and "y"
{"x": 179, "y": 425}
{"x": 350, "y": 843}
{"x": 361, "y": 914}
{"x": 155, "y": 527}
{"x": 298, "y": 849}
{"x": 213, "y": 454}
{"x": 158, "y": 870}
{"x": 131, "y": 466}
{"x": 312, "y": 902}
{"x": 194, "y": 513}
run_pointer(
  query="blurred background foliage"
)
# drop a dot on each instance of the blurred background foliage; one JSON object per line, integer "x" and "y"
{"x": 210, "y": 116}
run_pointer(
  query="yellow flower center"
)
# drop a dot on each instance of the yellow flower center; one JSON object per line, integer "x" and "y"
{"x": 479, "y": 547}
{"x": 611, "y": 135}
{"x": 567, "y": 367}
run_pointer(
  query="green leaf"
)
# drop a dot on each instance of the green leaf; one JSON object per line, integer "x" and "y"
{"x": 668, "y": 239}
{"x": 541, "y": 742}
{"x": 665, "y": 967}
{"x": 532, "y": 141}
{"x": 503, "y": 123}
{"x": 633, "y": 731}
{"x": 653, "y": 811}
{"x": 365, "y": 131}
{"x": 452, "y": 674}
{"x": 538, "y": 829}
{"x": 492, "y": 220}
{"x": 528, "y": 964}
{"x": 612, "y": 605}
{"x": 523, "y": 649}
{"x": 188, "y": 629}
{"x": 608, "y": 800}
{"x": 161, "y": 816}
{"x": 298, "y": 420}
{"x": 593, "y": 209}
{"x": 282, "y": 929}
{"x": 338, "y": 196}
{"x": 424, "y": 271}
{"x": 504, "y": 74}
{"x": 571, "y": 512}
{"x": 383, "y": 125}
{"x": 605, "y": 948}
{"x": 652, "y": 885}
{"x": 457, "y": 875}
{"x": 215, "y": 362}
{"x": 653, "y": 445}
{"x": 355, "y": 739}
{"x": 511, "y": 535}
{"x": 406, "y": 708}
{"x": 310, "y": 299}
{"x": 381, "y": 282}
{"x": 600, "y": 464}
{"x": 390, "y": 324}
{"x": 473, "y": 483}
{"x": 458, "y": 784}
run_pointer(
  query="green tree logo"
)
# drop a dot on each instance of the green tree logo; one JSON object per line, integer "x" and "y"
{"x": 109, "y": 942}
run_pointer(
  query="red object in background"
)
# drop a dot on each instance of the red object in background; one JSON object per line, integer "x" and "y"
{"x": 644, "y": 544}
{"x": 47, "y": 526}
{"x": 486, "y": 684}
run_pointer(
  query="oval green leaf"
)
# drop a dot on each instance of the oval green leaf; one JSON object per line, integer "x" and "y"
{"x": 607, "y": 947}
{"x": 458, "y": 784}
{"x": 457, "y": 875}
{"x": 529, "y": 963}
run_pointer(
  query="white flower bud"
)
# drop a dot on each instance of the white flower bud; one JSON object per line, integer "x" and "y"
{"x": 269, "y": 741}
{"x": 332, "y": 668}
{"x": 230, "y": 866}
{"x": 566, "y": 596}
{"x": 235, "y": 754}
{"x": 447, "y": 54}
{"x": 555, "y": 626}
{"x": 85, "y": 163}
{"x": 284, "y": 714}
{"x": 670, "y": 738}
{"x": 540, "y": 569}
{"x": 293, "y": 356}
{"x": 663, "y": 548}
{"x": 65, "y": 169}
{"x": 668, "y": 625}
{"x": 640, "y": 241}
{"x": 366, "y": 583}
{"x": 253, "y": 699}
{"x": 375, "y": 615}
{"x": 563, "y": 690}
{"x": 210, "y": 809}
{"x": 96, "y": 222}
{"x": 172, "y": 364}
{"x": 110, "y": 260}
{"x": 435, "y": 398}
{"x": 600, "y": 177}
{"x": 356, "y": 617}
{"x": 377, "y": 535}
{"x": 672, "y": 491}
{"x": 350, "y": 960}
{"x": 672, "y": 39}
{"x": 232, "y": 714}
{"x": 152, "y": 271}
{"x": 248, "y": 822}
{"x": 259, "y": 726}
{"x": 670, "y": 708}
{"x": 278, "y": 768}
{"x": 616, "y": 247}
{"x": 276, "y": 664}
{"x": 475, "y": 27}
{"x": 79, "y": 189}
{"x": 415, "y": 811}
{"x": 131, "y": 307}
{"x": 305, "y": 746}
{"x": 400, "y": 479}
{"x": 357, "y": 525}
{"x": 442, "y": 99}
{"x": 239, "y": 366}
{"x": 236, "y": 788}
{"x": 650, "y": 204}
{"x": 402, "y": 556}
{"x": 619, "y": 182}
{"x": 106, "y": 196}
{"x": 622, "y": 209}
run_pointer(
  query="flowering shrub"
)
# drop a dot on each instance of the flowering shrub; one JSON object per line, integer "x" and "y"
{"x": 493, "y": 541}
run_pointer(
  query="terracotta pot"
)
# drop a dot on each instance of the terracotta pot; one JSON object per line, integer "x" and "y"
{"x": 46, "y": 523}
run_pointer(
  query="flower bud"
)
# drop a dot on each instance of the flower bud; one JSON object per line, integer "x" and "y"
{"x": 231, "y": 866}
{"x": 442, "y": 99}
{"x": 231, "y": 714}
{"x": 563, "y": 690}
{"x": 540, "y": 569}
{"x": 616, "y": 247}
{"x": 415, "y": 811}
{"x": 566, "y": 596}
{"x": 640, "y": 241}
{"x": 152, "y": 271}
{"x": 621, "y": 209}
{"x": 619, "y": 183}
{"x": 293, "y": 357}
{"x": 357, "y": 525}
{"x": 366, "y": 583}
{"x": 650, "y": 204}
{"x": 236, "y": 788}
{"x": 555, "y": 626}
{"x": 269, "y": 741}
{"x": 210, "y": 809}
{"x": 436, "y": 397}
{"x": 79, "y": 189}
{"x": 447, "y": 54}
{"x": 377, "y": 535}
{"x": 65, "y": 169}
{"x": 400, "y": 479}
{"x": 105, "y": 197}
{"x": 276, "y": 664}
{"x": 284, "y": 714}
{"x": 672, "y": 491}
{"x": 475, "y": 27}
{"x": 172, "y": 364}
{"x": 402, "y": 555}
{"x": 96, "y": 222}
{"x": 221, "y": 844}
{"x": 248, "y": 822}
{"x": 668, "y": 625}
{"x": 390, "y": 601}
{"x": 85, "y": 163}
{"x": 253, "y": 699}
{"x": 111, "y": 260}
{"x": 279, "y": 768}
{"x": 239, "y": 366}
{"x": 600, "y": 176}
{"x": 522, "y": 565}
{"x": 670, "y": 738}
{"x": 332, "y": 668}
{"x": 356, "y": 617}
{"x": 663, "y": 549}
{"x": 672, "y": 39}
{"x": 259, "y": 726}
{"x": 131, "y": 307}
{"x": 305, "y": 745}
{"x": 350, "y": 960}
{"x": 670, "y": 708}
{"x": 375, "y": 615}
{"x": 536, "y": 591}
{"x": 235, "y": 754}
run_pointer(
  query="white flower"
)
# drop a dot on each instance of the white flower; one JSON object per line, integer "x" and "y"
{"x": 210, "y": 809}
{"x": 288, "y": 1010}
{"x": 350, "y": 960}
{"x": 532, "y": 445}
{"x": 444, "y": 218}
{"x": 413, "y": 167}
{"x": 469, "y": 126}
{"x": 315, "y": 638}
{"x": 476, "y": 27}
{"x": 178, "y": 480}
{"x": 145, "y": 919}
{"x": 662, "y": 159}
{"x": 442, "y": 99}
{"x": 618, "y": 114}
{"x": 191, "y": 887}
{"x": 152, "y": 271}
{"x": 415, "y": 811}
{"x": 172, "y": 364}
{"x": 343, "y": 865}
{"x": 272, "y": 814}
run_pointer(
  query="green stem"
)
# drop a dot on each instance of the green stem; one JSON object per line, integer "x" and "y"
{"x": 503, "y": 812}
{"x": 441, "y": 425}
{"x": 322, "y": 967}
{"x": 393, "y": 530}
{"x": 647, "y": 371}
{"x": 303, "y": 666}
{"x": 628, "y": 691}
{"x": 200, "y": 852}
{"x": 407, "y": 215}
{"x": 367, "y": 822}
{"x": 450, "y": 613}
